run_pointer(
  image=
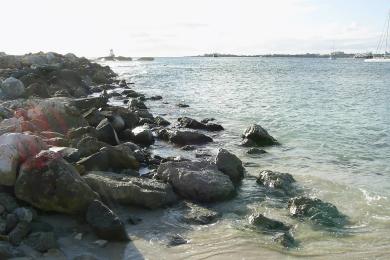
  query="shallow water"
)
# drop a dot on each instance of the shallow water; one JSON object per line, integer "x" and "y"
{"x": 332, "y": 119}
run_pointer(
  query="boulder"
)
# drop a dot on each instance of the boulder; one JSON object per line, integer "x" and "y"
{"x": 9, "y": 162}
{"x": 15, "y": 149}
{"x": 283, "y": 182}
{"x": 105, "y": 223}
{"x": 48, "y": 182}
{"x": 318, "y": 211}
{"x": 37, "y": 90}
{"x": 127, "y": 190}
{"x": 160, "y": 121}
{"x": 12, "y": 88}
{"x": 188, "y": 138}
{"x": 110, "y": 158}
{"x": 135, "y": 104}
{"x": 230, "y": 165}
{"x": 106, "y": 132}
{"x": 143, "y": 135}
{"x": 52, "y": 114}
{"x": 267, "y": 224}
{"x": 89, "y": 102}
{"x": 197, "y": 181}
{"x": 194, "y": 124}
{"x": 257, "y": 135}
{"x": 89, "y": 145}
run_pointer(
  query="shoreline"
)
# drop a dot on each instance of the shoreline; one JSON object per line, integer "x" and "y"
{"x": 106, "y": 146}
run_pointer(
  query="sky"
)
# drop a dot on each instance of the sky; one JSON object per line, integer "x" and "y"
{"x": 190, "y": 27}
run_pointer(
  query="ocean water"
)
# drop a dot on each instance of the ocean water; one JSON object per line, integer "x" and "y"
{"x": 332, "y": 118}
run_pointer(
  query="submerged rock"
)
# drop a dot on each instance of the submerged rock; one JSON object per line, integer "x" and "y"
{"x": 285, "y": 239}
{"x": 176, "y": 240}
{"x": 256, "y": 135}
{"x": 230, "y": 165}
{"x": 198, "y": 181}
{"x": 267, "y": 224}
{"x": 199, "y": 215}
{"x": 255, "y": 150}
{"x": 318, "y": 211}
{"x": 277, "y": 180}
{"x": 194, "y": 124}
{"x": 105, "y": 223}
{"x": 48, "y": 182}
{"x": 129, "y": 190}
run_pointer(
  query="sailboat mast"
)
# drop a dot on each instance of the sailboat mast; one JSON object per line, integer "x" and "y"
{"x": 387, "y": 34}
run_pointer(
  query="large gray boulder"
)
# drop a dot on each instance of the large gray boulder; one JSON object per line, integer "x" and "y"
{"x": 143, "y": 135}
{"x": 52, "y": 114}
{"x": 127, "y": 190}
{"x": 15, "y": 149}
{"x": 111, "y": 158}
{"x": 188, "y": 138}
{"x": 318, "y": 211}
{"x": 105, "y": 223}
{"x": 257, "y": 135}
{"x": 197, "y": 181}
{"x": 230, "y": 165}
{"x": 12, "y": 88}
{"x": 48, "y": 182}
{"x": 106, "y": 132}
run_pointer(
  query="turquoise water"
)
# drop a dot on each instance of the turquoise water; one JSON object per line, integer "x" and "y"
{"x": 332, "y": 118}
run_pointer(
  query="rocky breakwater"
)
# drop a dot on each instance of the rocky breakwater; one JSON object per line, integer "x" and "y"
{"x": 64, "y": 151}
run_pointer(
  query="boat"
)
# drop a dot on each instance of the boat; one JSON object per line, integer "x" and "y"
{"x": 383, "y": 45}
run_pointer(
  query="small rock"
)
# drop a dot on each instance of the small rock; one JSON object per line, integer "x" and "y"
{"x": 257, "y": 135}
{"x": 100, "y": 243}
{"x": 176, "y": 240}
{"x": 182, "y": 105}
{"x": 277, "y": 180}
{"x": 78, "y": 236}
{"x": 255, "y": 151}
{"x": 23, "y": 214}
{"x": 199, "y": 215}
{"x": 285, "y": 239}
{"x": 267, "y": 224}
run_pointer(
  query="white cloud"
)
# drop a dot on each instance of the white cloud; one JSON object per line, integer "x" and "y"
{"x": 170, "y": 27}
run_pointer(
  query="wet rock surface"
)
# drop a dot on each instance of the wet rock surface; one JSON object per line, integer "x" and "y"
{"x": 255, "y": 135}
{"x": 283, "y": 182}
{"x": 129, "y": 190}
{"x": 198, "y": 181}
{"x": 317, "y": 211}
{"x": 105, "y": 223}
